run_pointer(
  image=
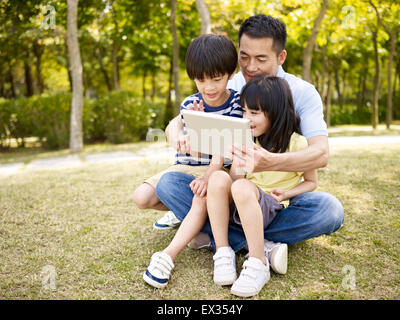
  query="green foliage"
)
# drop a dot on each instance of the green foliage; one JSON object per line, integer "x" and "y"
{"x": 115, "y": 117}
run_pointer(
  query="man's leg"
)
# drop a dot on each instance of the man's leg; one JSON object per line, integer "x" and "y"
{"x": 309, "y": 215}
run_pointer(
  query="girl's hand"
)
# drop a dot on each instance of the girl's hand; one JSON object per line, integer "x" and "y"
{"x": 199, "y": 187}
{"x": 278, "y": 195}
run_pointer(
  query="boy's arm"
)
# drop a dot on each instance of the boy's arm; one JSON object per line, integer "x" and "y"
{"x": 309, "y": 183}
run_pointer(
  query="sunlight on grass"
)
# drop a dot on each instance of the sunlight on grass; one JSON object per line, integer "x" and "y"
{"x": 82, "y": 221}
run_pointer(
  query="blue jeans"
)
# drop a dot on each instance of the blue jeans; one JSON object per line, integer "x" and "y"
{"x": 308, "y": 215}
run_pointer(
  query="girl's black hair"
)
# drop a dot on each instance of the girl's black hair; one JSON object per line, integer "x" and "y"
{"x": 272, "y": 95}
{"x": 212, "y": 56}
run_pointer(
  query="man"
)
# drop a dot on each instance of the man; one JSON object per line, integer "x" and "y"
{"x": 262, "y": 41}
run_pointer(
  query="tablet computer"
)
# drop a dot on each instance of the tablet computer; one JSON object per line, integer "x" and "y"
{"x": 215, "y": 134}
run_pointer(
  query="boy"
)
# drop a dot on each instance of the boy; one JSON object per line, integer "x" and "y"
{"x": 211, "y": 62}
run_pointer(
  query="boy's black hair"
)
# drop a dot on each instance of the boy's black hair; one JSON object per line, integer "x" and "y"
{"x": 272, "y": 95}
{"x": 212, "y": 56}
{"x": 263, "y": 26}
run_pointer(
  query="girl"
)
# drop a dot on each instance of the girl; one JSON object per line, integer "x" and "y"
{"x": 252, "y": 203}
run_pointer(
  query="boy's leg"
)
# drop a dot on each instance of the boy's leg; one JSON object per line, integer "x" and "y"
{"x": 246, "y": 195}
{"x": 218, "y": 202}
{"x": 145, "y": 198}
{"x": 189, "y": 227}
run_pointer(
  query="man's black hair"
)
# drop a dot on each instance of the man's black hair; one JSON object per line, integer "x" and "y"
{"x": 263, "y": 26}
{"x": 212, "y": 56}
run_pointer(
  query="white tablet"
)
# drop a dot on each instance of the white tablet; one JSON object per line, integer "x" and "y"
{"x": 215, "y": 134}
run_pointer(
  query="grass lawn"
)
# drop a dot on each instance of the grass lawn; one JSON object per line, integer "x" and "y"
{"x": 82, "y": 222}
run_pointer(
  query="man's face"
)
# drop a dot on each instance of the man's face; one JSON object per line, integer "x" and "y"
{"x": 257, "y": 57}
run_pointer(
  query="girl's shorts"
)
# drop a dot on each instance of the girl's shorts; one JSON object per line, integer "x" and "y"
{"x": 269, "y": 208}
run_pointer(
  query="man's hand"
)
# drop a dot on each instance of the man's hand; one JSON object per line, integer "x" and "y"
{"x": 199, "y": 187}
{"x": 253, "y": 159}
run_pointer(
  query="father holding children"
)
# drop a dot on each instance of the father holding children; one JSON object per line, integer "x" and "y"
{"x": 262, "y": 41}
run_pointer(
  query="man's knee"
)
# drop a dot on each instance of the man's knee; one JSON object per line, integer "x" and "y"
{"x": 334, "y": 210}
{"x": 171, "y": 182}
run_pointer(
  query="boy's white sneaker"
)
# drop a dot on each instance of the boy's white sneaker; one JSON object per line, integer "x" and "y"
{"x": 159, "y": 270}
{"x": 255, "y": 274}
{"x": 224, "y": 266}
{"x": 167, "y": 221}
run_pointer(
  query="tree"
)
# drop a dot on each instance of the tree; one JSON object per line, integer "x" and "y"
{"x": 307, "y": 54}
{"x": 175, "y": 55}
{"x": 76, "y": 139}
{"x": 205, "y": 16}
{"x": 392, "y": 31}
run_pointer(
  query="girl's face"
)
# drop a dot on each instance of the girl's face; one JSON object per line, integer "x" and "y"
{"x": 259, "y": 122}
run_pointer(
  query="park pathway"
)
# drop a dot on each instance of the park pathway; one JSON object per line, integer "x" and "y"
{"x": 72, "y": 161}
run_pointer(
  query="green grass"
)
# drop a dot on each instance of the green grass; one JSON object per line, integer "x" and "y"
{"x": 83, "y": 222}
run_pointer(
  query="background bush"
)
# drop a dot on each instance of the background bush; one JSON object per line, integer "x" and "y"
{"x": 117, "y": 117}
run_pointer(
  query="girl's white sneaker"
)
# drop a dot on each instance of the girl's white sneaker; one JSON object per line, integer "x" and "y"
{"x": 224, "y": 266}
{"x": 255, "y": 274}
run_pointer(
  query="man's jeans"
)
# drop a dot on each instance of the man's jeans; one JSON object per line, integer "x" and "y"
{"x": 308, "y": 215}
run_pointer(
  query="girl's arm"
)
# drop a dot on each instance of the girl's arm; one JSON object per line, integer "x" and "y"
{"x": 309, "y": 183}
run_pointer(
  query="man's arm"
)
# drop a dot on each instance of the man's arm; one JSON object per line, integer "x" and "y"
{"x": 258, "y": 159}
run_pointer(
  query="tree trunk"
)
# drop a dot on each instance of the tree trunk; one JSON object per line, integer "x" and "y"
{"x": 28, "y": 79}
{"x": 115, "y": 49}
{"x": 169, "y": 109}
{"x": 337, "y": 83}
{"x": 103, "y": 69}
{"x": 375, "y": 99}
{"x": 38, "y": 51}
{"x": 204, "y": 16}
{"x": 11, "y": 79}
{"x": 76, "y": 139}
{"x": 389, "y": 105}
{"x": 175, "y": 56}
{"x": 328, "y": 101}
{"x": 307, "y": 53}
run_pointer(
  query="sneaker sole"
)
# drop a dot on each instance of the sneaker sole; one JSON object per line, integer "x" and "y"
{"x": 248, "y": 294}
{"x": 153, "y": 282}
{"x": 225, "y": 282}
{"x": 279, "y": 259}
{"x": 165, "y": 226}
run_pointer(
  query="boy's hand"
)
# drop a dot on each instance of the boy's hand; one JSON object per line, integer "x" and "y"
{"x": 278, "y": 195}
{"x": 197, "y": 106}
{"x": 182, "y": 144}
{"x": 199, "y": 187}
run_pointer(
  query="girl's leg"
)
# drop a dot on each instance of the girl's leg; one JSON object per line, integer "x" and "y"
{"x": 245, "y": 194}
{"x": 145, "y": 198}
{"x": 218, "y": 201}
{"x": 189, "y": 227}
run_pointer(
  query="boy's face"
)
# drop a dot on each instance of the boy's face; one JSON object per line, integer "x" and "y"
{"x": 214, "y": 90}
{"x": 257, "y": 57}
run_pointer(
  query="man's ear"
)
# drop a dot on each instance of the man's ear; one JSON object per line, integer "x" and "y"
{"x": 282, "y": 57}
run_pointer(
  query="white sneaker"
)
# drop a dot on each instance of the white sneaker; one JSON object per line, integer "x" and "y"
{"x": 224, "y": 266}
{"x": 159, "y": 270}
{"x": 277, "y": 254}
{"x": 168, "y": 221}
{"x": 202, "y": 240}
{"x": 255, "y": 274}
